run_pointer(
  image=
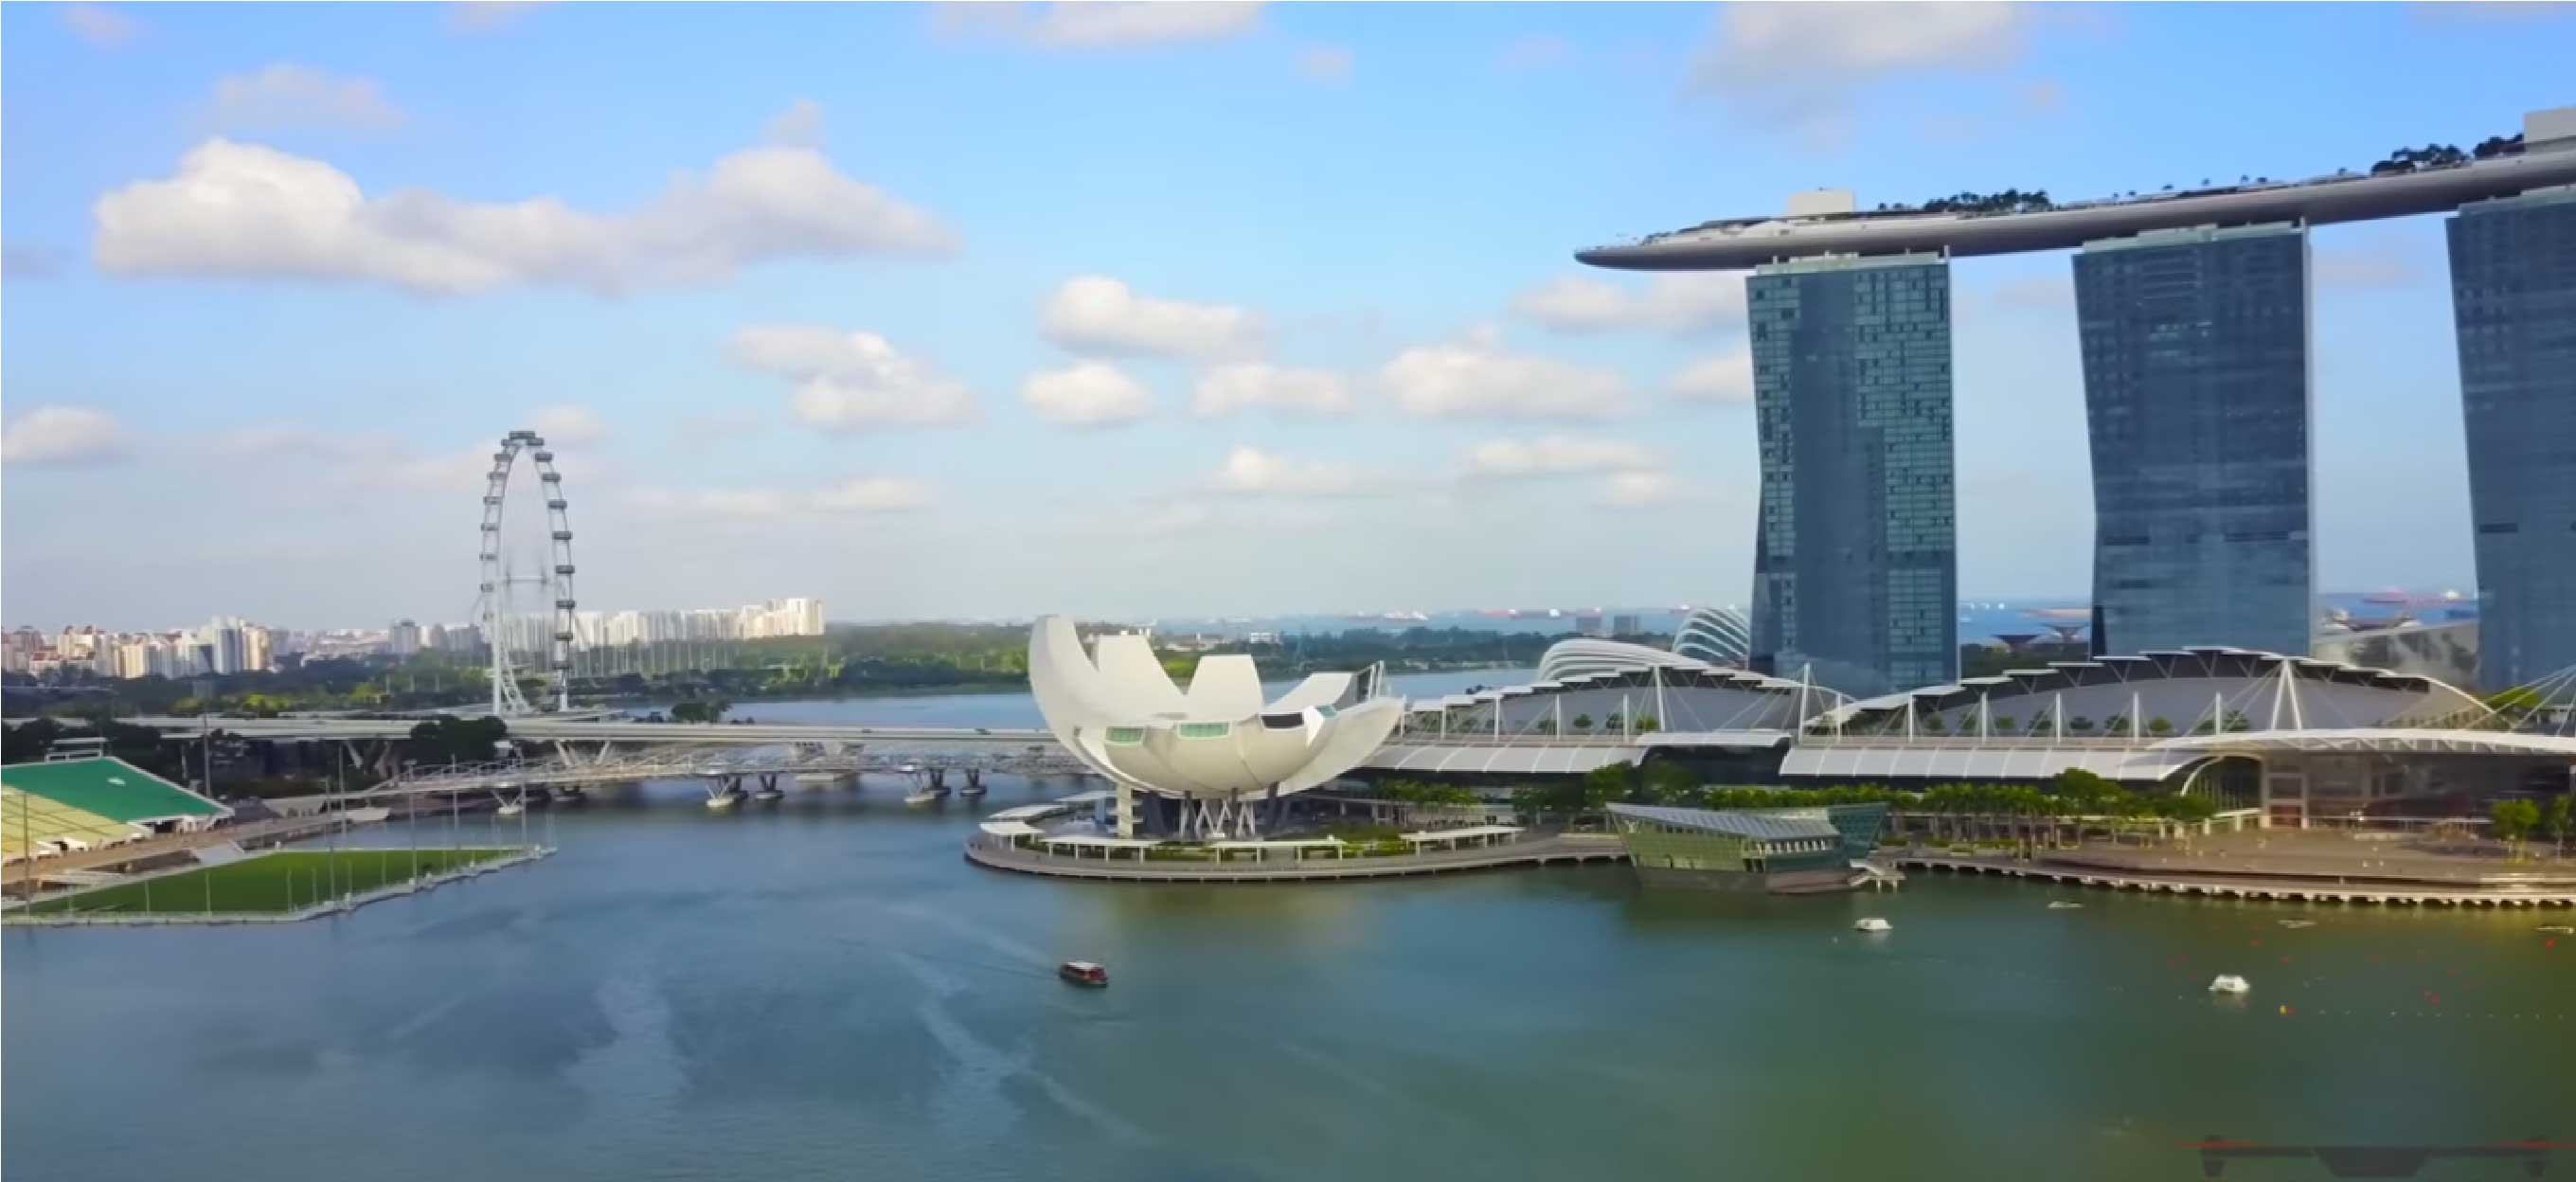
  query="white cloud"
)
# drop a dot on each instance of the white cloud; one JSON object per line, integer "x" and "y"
{"x": 1097, "y": 314}
{"x": 1639, "y": 489}
{"x": 1087, "y": 394}
{"x": 853, "y": 381}
{"x": 568, "y": 424}
{"x": 100, "y": 25}
{"x": 746, "y": 503}
{"x": 874, "y": 494}
{"x": 1476, "y": 377}
{"x": 1555, "y": 455}
{"x": 1535, "y": 52}
{"x": 382, "y": 464}
{"x": 236, "y": 209}
{"x": 1104, "y": 24}
{"x": 61, "y": 436}
{"x": 1801, "y": 67}
{"x": 1227, "y": 389}
{"x": 483, "y": 16}
{"x": 1327, "y": 63}
{"x": 284, "y": 440}
{"x": 1723, "y": 380}
{"x": 861, "y": 495}
{"x": 799, "y": 126}
{"x": 1681, "y": 304}
{"x": 287, "y": 95}
{"x": 1252, "y": 472}
{"x": 355, "y": 459}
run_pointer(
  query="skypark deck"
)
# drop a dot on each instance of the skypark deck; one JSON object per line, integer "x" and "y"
{"x": 1749, "y": 242}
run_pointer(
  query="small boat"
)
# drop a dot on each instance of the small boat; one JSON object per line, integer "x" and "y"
{"x": 2230, "y": 984}
{"x": 509, "y": 810}
{"x": 2557, "y": 929}
{"x": 724, "y": 801}
{"x": 1083, "y": 973}
{"x": 2063, "y": 905}
{"x": 1872, "y": 924}
{"x": 2298, "y": 923}
{"x": 925, "y": 796}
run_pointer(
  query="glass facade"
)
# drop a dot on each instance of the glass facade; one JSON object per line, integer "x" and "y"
{"x": 2513, "y": 296}
{"x": 2197, "y": 395}
{"x": 1855, "y": 568}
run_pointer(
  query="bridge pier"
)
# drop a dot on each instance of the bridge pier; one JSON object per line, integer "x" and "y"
{"x": 938, "y": 780}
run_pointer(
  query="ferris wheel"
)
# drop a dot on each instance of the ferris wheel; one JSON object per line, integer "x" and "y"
{"x": 552, "y": 582}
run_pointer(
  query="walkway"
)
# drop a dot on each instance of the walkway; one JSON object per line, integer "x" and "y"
{"x": 250, "y": 835}
{"x": 2240, "y": 886}
{"x": 1570, "y": 849}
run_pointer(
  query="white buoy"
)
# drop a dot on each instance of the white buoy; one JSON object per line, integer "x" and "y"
{"x": 1873, "y": 924}
{"x": 2230, "y": 983}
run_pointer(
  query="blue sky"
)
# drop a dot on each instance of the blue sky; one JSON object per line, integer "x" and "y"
{"x": 909, "y": 308}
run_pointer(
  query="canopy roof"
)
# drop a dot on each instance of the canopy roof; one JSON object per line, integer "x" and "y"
{"x": 1751, "y": 824}
{"x": 110, "y": 788}
{"x": 1461, "y": 834}
{"x": 1088, "y": 841}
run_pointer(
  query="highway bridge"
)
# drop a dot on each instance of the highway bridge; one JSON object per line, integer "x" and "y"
{"x": 601, "y": 730}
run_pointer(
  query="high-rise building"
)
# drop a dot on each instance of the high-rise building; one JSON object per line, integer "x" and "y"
{"x": 2197, "y": 395}
{"x": 258, "y": 643}
{"x": 2513, "y": 297}
{"x": 402, "y": 639}
{"x": 223, "y": 645}
{"x": 1855, "y": 565}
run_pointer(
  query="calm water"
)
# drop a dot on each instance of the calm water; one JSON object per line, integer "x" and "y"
{"x": 824, "y": 988}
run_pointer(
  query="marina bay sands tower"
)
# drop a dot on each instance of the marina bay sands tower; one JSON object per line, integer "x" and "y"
{"x": 2194, "y": 316}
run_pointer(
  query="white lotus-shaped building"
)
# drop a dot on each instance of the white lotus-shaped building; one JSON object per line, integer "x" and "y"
{"x": 1215, "y": 747}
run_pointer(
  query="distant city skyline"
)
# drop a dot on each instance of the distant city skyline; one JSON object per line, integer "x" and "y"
{"x": 918, "y": 344}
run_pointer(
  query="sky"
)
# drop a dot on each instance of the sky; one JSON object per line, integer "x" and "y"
{"x": 1118, "y": 310}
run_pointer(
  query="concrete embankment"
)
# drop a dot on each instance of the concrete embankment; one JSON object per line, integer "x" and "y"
{"x": 1565, "y": 850}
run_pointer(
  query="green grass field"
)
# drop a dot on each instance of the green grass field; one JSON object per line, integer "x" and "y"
{"x": 289, "y": 880}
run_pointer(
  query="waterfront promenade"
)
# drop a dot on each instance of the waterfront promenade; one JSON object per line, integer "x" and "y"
{"x": 1563, "y": 849}
{"x": 2278, "y": 882}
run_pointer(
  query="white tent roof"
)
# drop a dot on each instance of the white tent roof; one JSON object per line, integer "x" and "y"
{"x": 1300, "y": 844}
{"x": 1012, "y": 829}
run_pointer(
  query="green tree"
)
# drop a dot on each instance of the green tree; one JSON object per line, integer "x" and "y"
{"x": 705, "y": 710}
{"x": 2159, "y": 725}
{"x": 1602, "y": 785}
{"x": 2514, "y": 821}
{"x": 28, "y": 741}
{"x": 1670, "y": 783}
{"x": 2559, "y": 820}
{"x": 1583, "y": 722}
{"x": 2079, "y": 725}
{"x": 450, "y": 739}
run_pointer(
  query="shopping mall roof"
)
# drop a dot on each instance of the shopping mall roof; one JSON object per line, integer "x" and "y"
{"x": 110, "y": 788}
